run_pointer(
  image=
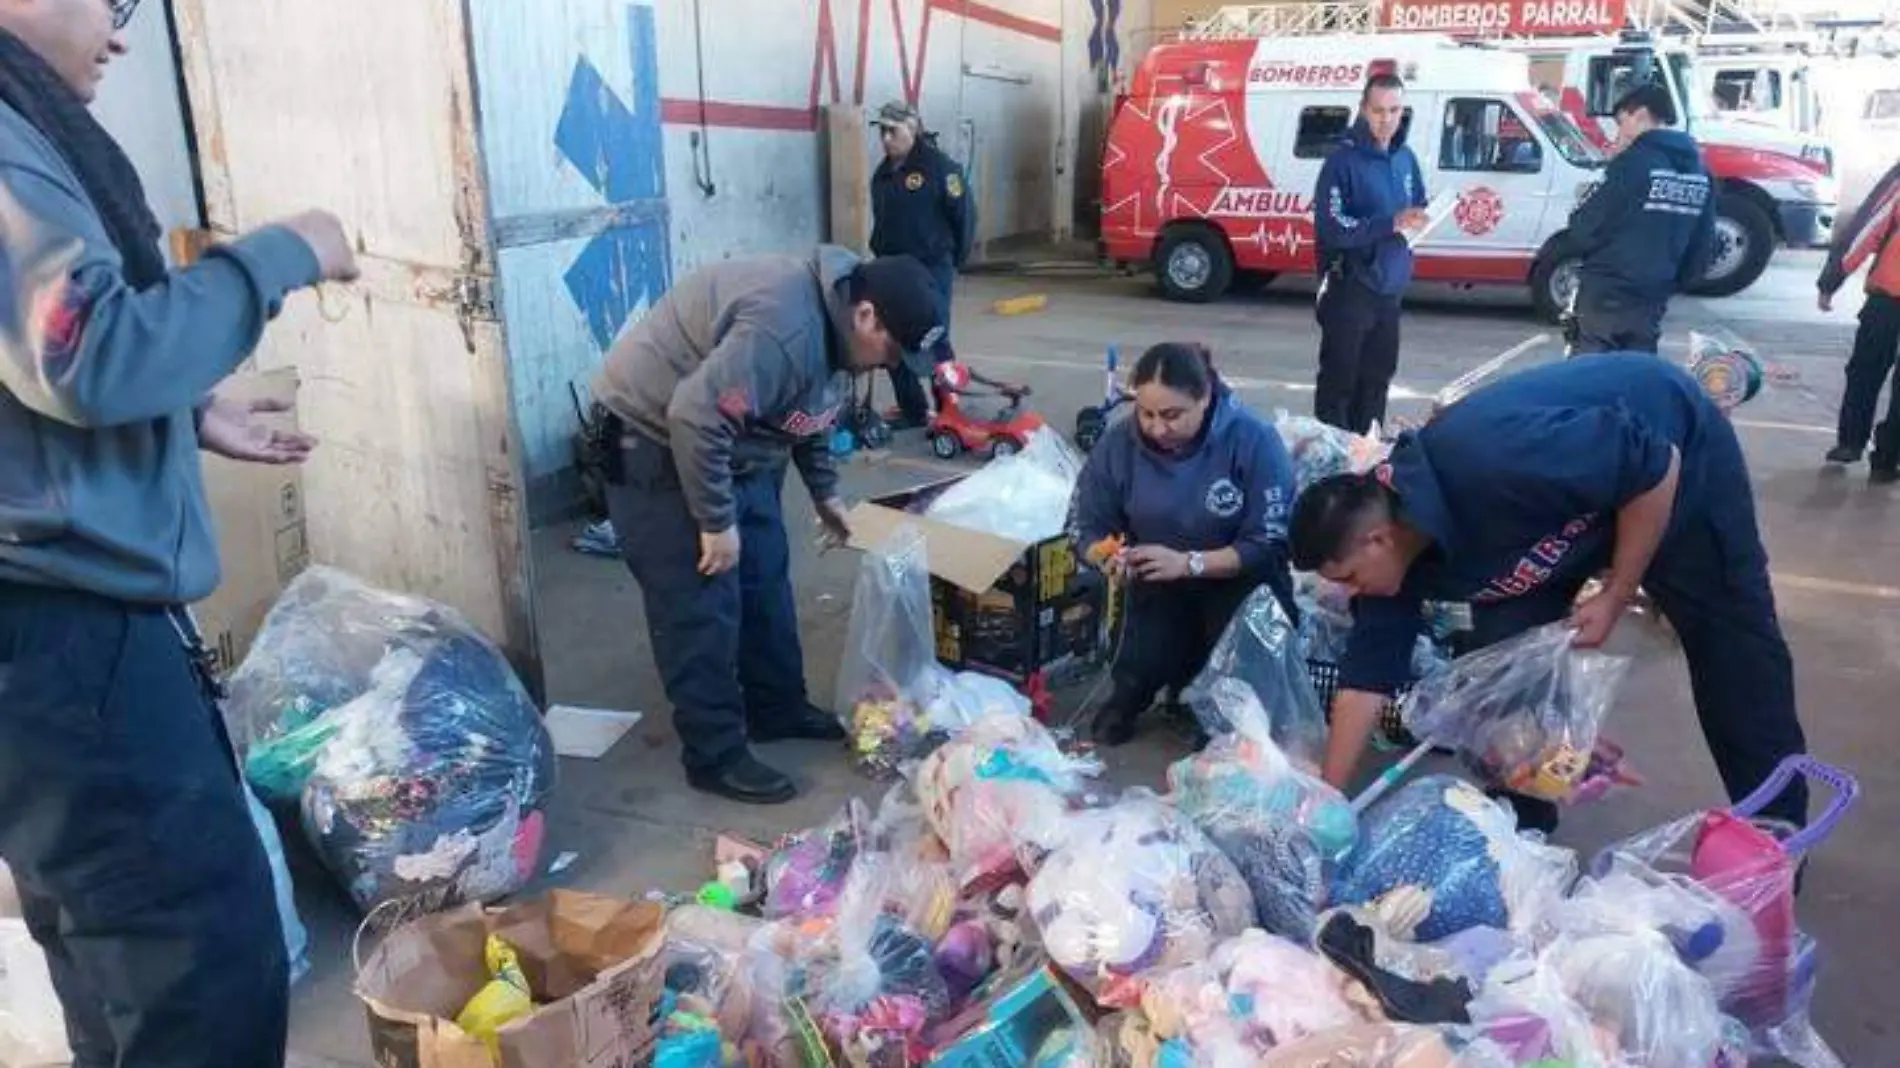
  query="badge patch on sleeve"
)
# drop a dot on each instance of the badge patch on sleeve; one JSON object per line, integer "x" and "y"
{"x": 61, "y": 314}
{"x": 914, "y": 181}
{"x": 953, "y": 185}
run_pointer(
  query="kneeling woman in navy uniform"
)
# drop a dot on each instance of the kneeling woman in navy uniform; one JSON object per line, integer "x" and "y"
{"x": 1198, "y": 489}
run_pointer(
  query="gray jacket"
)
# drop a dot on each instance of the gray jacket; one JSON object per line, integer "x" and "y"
{"x": 100, "y": 484}
{"x": 736, "y": 366}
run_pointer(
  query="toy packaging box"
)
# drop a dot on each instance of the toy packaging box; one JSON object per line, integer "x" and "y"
{"x": 1020, "y": 610}
{"x": 1008, "y": 1027}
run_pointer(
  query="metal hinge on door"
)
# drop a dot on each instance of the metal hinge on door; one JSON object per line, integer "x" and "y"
{"x": 472, "y": 296}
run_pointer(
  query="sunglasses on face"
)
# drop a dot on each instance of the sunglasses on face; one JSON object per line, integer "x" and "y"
{"x": 122, "y": 12}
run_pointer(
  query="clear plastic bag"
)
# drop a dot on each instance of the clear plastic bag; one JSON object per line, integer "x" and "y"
{"x": 1134, "y": 888}
{"x": 296, "y": 936}
{"x": 999, "y": 796}
{"x": 1255, "y": 991}
{"x": 1023, "y": 497}
{"x": 1524, "y": 714}
{"x": 1639, "y": 994}
{"x": 806, "y": 873}
{"x": 1262, "y": 648}
{"x": 1319, "y": 450}
{"x": 426, "y": 769}
{"x": 889, "y": 675}
{"x": 1443, "y": 837}
{"x": 1719, "y": 887}
{"x": 1284, "y": 828}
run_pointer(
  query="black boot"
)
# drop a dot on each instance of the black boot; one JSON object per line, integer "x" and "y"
{"x": 1115, "y": 722}
{"x": 1841, "y": 454}
{"x": 744, "y": 779}
{"x": 806, "y": 723}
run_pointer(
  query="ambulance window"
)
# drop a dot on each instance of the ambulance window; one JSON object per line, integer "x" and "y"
{"x": 1748, "y": 90}
{"x": 1320, "y": 130}
{"x": 1486, "y": 135}
{"x": 1613, "y": 76}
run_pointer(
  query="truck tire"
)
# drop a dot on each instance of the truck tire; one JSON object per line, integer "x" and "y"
{"x": 1744, "y": 240}
{"x": 1554, "y": 283}
{"x": 1193, "y": 264}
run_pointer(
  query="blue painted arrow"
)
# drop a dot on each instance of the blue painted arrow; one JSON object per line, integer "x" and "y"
{"x": 620, "y": 152}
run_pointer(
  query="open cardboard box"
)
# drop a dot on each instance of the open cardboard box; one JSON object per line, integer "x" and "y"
{"x": 1021, "y": 610}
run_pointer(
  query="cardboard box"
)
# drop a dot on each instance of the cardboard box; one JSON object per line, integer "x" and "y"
{"x": 592, "y": 962}
{"x": 1026, "y": 612}
{"x": 257, "y": 511}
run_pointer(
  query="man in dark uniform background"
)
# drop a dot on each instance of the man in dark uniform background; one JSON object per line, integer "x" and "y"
{"x": 920, "y": 206}
{"x": 1647, "y": 231}
{"x": 1370, "y": 197}
{"x": 725, "y": 381}
{"x": 1520, "y": 493}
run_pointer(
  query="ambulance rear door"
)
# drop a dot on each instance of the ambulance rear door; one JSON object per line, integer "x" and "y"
{"x": 1483, "y": 149}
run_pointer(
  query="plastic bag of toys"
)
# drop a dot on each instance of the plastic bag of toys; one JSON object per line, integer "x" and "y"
{"x": 1524, "y": 714}
{"x": 1648, "y": 1007}
{"x": 889, "y": 674}
{"x": 806, "y": 872}
{"x": 1022, "y": 497}
{"x": 1719, "y": 887}
{"x": 421, "y": 764}
{"x": 1284, "y": 828}
{"x": 1132, "y": 889}
{"x": 865, "y": 982}
{"x": 1442, "y": 838}
{"x": 1262, "y": 648}
{"x": 999, "y": 796}
{"x": 1319, "y": 450}
{"x": 1728, "y": 369}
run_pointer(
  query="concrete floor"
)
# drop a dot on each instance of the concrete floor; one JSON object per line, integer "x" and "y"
{"x": 1835, "y": 544}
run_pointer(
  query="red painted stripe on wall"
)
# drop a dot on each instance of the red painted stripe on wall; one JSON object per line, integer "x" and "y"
{"x": 977, "y": 11}
{"x": 728, "y": 115}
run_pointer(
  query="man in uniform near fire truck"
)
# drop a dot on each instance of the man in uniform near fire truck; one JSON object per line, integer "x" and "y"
{"x": 1367, "y": 208}
{"x": 920, "y": 206}
{"x": 733, "y": 372}
{"x": 1645, "y": 234}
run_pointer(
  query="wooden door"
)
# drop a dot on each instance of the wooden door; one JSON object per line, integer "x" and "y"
{"x": 365, "y": 107}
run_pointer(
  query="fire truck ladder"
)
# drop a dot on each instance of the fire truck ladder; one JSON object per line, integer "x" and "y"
{"x": 1693, "y": 18}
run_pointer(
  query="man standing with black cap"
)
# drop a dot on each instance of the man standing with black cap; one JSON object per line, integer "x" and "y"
{"x": 708, "y": 395}
{"x": 920, "y": 206}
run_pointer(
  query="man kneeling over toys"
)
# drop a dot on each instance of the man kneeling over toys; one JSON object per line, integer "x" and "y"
{"x": 1520, "y": 493}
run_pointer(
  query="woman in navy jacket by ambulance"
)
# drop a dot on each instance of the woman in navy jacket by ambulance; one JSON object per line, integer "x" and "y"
{"x": 1199, "y": 488}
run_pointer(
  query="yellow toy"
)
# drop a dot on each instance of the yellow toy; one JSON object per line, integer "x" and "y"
{"x": 505, "y": 998}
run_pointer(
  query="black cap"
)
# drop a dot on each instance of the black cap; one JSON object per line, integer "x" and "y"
{"x": 907, "y": 302}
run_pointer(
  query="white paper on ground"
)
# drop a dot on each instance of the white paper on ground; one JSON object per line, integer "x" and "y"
{"x": 588, "y": 733}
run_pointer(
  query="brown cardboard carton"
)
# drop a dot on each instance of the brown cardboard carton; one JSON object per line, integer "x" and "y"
{"x": 257, "y": 510}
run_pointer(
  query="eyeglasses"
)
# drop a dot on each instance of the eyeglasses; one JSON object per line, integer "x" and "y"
{"x": 122, "y": 12}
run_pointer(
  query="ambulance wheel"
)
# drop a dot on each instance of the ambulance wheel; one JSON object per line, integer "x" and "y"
{"x": 1744, "y": 240}
{"x": 1088, "y": 428}
{"x": 1002, "y": 447}
{"x": 1554, "y": 284}
{"x": 945, "y": 446}
{"x": 1193, "y": 264}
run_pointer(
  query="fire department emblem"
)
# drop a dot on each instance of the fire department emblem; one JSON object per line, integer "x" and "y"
{"x": 914, "y": 181}
{"x": 1479, "y": 211}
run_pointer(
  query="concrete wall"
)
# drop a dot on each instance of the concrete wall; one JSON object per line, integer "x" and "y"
{"x": 628, "y": 143}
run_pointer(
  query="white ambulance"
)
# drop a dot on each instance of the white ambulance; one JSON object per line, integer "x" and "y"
{"x": 1213, "y": 154}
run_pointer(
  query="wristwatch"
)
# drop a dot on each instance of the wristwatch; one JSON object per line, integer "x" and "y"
{"x": 1197, "y": 565}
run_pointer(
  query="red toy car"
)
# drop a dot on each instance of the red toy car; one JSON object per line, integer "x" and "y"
{"x": 955, "y": 429}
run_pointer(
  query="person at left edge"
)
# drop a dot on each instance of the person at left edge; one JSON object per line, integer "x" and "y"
{"x": 1513, "y": 498}
{"x": 1199, "y": 488}
{"x": 726, "y": 376}
{"x": 1370, "y": 195}
{"x": 920, "y": 206}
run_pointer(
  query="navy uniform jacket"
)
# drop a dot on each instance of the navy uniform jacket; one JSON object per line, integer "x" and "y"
{"x": 1518, "y": 486}
{"x": 1649, "y": 229}
{"x": 1234, "y": 486}
{"x": 920, "y": 206}
{"x": 1361, "y": 191}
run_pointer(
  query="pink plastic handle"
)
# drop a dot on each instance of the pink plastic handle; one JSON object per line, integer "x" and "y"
{"x": 1846, "y": 791}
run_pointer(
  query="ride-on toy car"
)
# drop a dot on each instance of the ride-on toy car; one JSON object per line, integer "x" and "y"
{"x": 955, "y": 429}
